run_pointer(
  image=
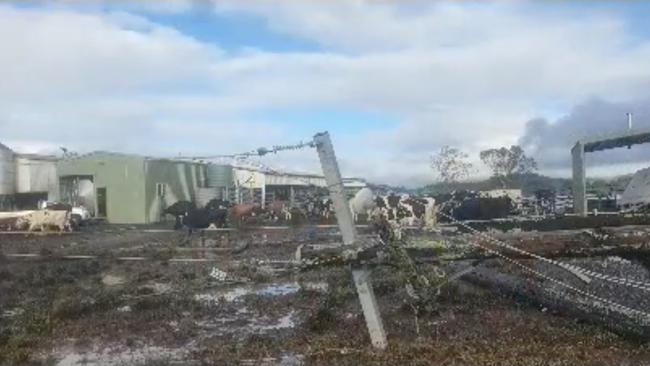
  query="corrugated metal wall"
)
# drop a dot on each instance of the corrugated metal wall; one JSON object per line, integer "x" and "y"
{"x": 7, "y": 171}
{"x": 35, "y": 175}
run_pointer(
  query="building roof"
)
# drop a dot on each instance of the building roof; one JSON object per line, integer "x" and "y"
{"x": 348, "y": 182}
{"x": 116, "y": 155}
{"x": 38, "y": 157}
{"x": 4, "y": 147}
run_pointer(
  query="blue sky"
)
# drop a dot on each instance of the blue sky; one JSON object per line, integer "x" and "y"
{"x": 233, "y": 32}
{"x": 392, "y": 82}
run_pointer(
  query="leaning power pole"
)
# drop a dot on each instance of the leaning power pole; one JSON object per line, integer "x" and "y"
{"x": 360, "y": 274}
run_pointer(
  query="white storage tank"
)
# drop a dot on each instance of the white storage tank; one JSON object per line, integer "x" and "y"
{"x": 7, "y": 171}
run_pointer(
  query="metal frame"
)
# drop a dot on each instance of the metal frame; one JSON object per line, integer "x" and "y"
{"x": 612, "y": 141}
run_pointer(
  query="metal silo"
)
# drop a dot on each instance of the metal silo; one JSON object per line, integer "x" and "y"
{"x": 220, "y": 177}
{"x": 7, "y": 171}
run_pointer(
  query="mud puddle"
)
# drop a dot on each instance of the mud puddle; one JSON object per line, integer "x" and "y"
{"x": 235, "y": 294}
{"x": 119, "y": 356}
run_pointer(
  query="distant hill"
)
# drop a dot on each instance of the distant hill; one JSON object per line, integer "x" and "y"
{"x": 529, "y": 184}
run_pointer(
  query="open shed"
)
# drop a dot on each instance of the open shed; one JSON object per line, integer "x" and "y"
{"x": 128, "y": 189}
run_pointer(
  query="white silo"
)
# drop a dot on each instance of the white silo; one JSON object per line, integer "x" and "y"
{"x": 7, "y": 171}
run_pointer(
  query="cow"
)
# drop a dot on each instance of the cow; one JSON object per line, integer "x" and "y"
{"x": 240, "y": 212}
{"x": 318, "y": 208}
{"x": 218, "y": 204}
{"x": 406, "y": 210}
{"x": 468, "y": 205}
{"x": 422, "y": 209}
{"x": 278, "y": 210}
{"x": 187, "y": 215}
{"x": 363, "y": 203}
{"x": 178, "y": 210}
{"x": 218, "y": 210}
{"x": 44, "y": 220}
{"x": 202, "y": 218}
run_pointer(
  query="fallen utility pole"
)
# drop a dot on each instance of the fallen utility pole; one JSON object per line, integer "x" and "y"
{"x": 360, "y": 274}
{"x": 319, "y": 255}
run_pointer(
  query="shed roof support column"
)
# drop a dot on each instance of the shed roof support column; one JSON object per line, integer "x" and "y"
{"x": 579, "y": 183}
{"x": 360, "y": 275}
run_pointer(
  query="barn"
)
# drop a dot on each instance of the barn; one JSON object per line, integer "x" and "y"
{"x": 252, "y": 184}
{"x": 128, "y": 189}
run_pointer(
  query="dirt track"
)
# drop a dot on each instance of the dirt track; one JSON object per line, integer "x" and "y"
{"x": 110, "y": 312}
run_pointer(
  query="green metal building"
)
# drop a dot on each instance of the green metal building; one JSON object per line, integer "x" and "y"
{"x": 128, "y": 189}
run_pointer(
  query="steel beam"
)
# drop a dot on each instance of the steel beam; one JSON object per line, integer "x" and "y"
{"x": 616, "y": 140}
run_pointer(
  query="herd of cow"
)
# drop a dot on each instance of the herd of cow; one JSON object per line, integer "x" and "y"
{"x": 365, "y": 206}
{"x": 219, "y": 213}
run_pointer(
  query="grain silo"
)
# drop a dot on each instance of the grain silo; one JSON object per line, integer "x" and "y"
{"x": 220, "y": 177}
{"x": 7, "y": 171}
{"x": 7, "y": 177}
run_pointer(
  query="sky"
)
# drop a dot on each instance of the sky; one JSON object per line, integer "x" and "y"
{"x": 392, "y": 82}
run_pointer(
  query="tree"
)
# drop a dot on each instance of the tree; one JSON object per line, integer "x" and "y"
{"x": 505, "y": 162}
{"x": 451, "y": 165}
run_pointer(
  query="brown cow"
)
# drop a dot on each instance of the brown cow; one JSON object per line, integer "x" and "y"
{"x": 240, "y": 212}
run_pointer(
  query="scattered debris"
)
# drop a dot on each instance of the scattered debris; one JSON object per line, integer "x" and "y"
{"x": 218, "y": 274}
{"x": 111, "y": 280}
{"x": 154, "y": 312}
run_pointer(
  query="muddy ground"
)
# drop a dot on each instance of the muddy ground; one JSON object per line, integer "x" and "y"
{"x": 253, "y": 307}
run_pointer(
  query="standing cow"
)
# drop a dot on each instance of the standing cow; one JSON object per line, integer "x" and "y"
{"x": 239, "y": 213}
{"x": 363, "y": 203}
{"x": 178, "y": 210}
{"x": 407, "y": 210}
{"x": 278, "y": 210}
{"x": 44, "y": 220}
{"x": 318, "y": 208}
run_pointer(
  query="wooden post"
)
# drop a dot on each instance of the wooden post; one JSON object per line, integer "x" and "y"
{"x": 361, "y": 275}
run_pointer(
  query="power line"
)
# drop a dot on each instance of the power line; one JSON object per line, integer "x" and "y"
{"x": 262, "y": 151}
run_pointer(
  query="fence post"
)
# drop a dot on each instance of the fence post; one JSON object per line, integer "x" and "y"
{"x": 360, "y": 275}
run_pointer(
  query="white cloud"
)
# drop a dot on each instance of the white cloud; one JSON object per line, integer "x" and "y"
{"x": 58, "y": 53}
{"x": 464, "y": 74}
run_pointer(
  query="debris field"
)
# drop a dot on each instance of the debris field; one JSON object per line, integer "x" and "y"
{"x": 119, "y": 295}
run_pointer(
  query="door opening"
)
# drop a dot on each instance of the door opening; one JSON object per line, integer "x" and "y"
{"x": 101, "y": 202}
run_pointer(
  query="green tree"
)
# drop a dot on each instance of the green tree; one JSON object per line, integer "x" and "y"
{"x": 451, "y": 165}
{"x": 505, "y": 162}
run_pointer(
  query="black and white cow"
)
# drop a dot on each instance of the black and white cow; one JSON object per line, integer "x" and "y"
{"x": 318, "y": 208}
{"x": 189, "y": 216}
{"x": 399, "y": 209}
{"x": 406, "y": 209}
